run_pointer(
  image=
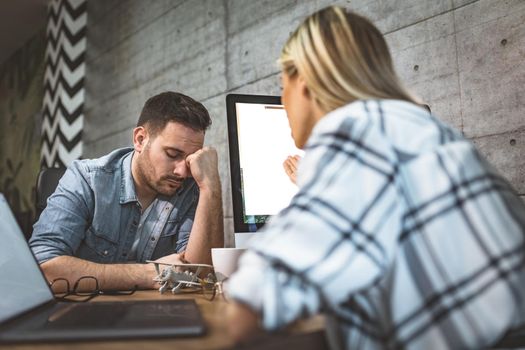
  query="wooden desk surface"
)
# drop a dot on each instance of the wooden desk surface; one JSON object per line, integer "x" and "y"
{"x": 213, "y": 313}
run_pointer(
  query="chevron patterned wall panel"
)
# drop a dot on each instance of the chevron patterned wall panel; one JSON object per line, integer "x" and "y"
{"x": 63, "y": 117}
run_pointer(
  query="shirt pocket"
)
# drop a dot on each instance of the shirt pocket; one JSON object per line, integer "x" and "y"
{"x": 166, "y": 244}
{"x": 174, "y": 237}
{"x": 98, "y": 247}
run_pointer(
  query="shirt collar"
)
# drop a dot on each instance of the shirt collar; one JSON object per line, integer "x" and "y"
{"x": 127, "y": 185}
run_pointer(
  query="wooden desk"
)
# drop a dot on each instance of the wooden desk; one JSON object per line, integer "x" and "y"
{"x": 213, "y": 313}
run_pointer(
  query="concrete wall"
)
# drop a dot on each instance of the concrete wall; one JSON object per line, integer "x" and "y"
{"x": 464, "y": 57}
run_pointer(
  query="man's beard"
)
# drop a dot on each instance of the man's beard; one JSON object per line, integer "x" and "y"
{"x": 167, "y": 185}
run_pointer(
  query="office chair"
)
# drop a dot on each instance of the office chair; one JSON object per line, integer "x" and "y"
{"x": 46, "y": 184}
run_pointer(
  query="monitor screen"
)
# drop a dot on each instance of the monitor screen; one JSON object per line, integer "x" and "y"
{"x": 260, "y": 140}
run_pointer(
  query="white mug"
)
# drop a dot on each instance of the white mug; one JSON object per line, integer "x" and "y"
{"x": 225, "y": 261}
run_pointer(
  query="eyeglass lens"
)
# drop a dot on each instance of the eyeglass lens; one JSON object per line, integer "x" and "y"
{"x": 86, "y": 285}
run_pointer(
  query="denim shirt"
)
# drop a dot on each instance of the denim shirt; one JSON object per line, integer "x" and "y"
{"x": 94, "y": 214}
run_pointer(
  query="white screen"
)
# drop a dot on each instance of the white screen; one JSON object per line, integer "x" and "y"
{"x": 22, "y": 285}
{"x": 264, "y": 143}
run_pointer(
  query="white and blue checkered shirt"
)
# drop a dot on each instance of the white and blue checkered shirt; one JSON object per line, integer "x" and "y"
{"x": 401, "y": 233}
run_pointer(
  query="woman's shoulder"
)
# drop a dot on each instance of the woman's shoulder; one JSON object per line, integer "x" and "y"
{"x": 403, "y": 125}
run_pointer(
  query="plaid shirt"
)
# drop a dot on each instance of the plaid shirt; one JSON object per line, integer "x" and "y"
{"x": 400, "y": 233}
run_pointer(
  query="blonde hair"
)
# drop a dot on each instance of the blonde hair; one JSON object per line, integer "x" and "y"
{"x": 342, "y": 57}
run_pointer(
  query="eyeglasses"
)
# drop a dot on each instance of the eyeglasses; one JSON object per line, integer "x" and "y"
{"x": 210, "y": 291}
{"x": 84, "y": 289}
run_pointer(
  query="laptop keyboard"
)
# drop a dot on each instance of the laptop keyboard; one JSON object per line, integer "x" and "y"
{"x": 148, "y": 314}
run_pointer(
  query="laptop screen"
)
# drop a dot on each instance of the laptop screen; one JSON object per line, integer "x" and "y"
{"x": 22, "y": 284}
{"x": 260, "y": 140}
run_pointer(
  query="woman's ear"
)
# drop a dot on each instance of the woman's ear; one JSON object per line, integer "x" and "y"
{"x": 310, "y": 99}
{"x": 305, "y": 91}
{"x": 140, "y": 138}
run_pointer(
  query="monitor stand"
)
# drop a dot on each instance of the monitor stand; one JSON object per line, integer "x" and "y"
{"x": 242, "y": 239}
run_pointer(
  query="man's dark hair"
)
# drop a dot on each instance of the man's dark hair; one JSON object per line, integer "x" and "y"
{"x": 173, "y": 107}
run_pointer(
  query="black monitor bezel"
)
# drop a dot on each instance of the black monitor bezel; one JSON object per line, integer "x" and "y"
{"x": 233, "y": 137}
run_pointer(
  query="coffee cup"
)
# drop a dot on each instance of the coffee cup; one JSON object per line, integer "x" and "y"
{"x": 225, "y": 261}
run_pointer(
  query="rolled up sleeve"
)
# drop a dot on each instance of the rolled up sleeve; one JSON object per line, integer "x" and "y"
{"x": 278, "y": 296}
{"x": 62, "y": 225}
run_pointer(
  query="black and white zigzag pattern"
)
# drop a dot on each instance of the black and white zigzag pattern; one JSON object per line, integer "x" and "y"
{"x": 63, "y": 117}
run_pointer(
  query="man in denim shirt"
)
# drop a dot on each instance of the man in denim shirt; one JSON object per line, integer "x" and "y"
{"x": 160, "y": 200}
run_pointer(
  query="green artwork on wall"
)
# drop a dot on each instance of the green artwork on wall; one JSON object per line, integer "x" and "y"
{"x": 21, "y": 93}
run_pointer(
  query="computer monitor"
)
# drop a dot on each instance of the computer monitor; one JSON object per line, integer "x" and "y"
{"x": 260, "y": 140}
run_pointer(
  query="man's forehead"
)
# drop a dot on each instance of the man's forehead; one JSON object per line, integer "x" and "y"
{"x": 179, "y": 136}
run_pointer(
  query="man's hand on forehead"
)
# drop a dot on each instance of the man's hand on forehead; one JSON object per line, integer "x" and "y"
{"x": 203, "y": 166}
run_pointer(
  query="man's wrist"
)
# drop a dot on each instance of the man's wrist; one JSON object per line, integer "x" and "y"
{"x": 149, "y": 275}
{"x": 211, "y": 188}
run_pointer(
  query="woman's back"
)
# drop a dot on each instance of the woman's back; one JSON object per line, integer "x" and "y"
{"x": 450, "y": 235}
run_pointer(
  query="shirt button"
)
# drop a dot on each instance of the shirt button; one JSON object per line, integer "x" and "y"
{"x": 105, "y": 252}
{"x": 153, "y": 239}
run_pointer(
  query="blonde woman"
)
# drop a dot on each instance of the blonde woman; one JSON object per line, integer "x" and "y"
{"x": 400, "y": 232}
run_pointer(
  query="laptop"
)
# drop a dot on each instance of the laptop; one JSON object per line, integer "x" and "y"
{"x": 30, "y": 313}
